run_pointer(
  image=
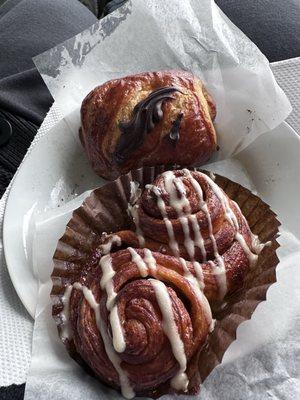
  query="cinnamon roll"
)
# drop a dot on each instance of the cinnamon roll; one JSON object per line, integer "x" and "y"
{"x": 152, "y": 118}
{"x": 134, "y": 306}
{"x": 137, "y": 323}
{"x": 187, "y": 215}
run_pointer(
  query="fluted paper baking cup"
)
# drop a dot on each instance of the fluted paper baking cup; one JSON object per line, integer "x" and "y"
{"x": 105, "y": 210}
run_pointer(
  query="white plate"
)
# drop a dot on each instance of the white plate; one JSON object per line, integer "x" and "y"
{"x": 57, "y": 170}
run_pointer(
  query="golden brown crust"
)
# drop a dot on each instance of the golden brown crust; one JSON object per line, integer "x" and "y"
{"x": 113, "y": 102}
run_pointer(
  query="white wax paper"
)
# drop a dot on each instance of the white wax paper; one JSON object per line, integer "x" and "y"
{"x": 154, "y": 35}
{"x": 262, "y": 364}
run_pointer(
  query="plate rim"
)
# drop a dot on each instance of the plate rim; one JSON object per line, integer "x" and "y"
{"x": 26, "y": 303}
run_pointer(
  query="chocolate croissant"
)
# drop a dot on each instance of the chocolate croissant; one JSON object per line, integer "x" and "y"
{"x": 150, "y": 119}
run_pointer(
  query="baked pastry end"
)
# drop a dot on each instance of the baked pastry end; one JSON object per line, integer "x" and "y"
{"x": 153, "y": 118}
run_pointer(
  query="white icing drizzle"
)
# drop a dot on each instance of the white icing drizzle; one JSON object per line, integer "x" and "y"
{"x": 133, "y": 211}
{"x": 256, "y": 245}
{"x": 145, "y": 264}
{"x": 180, "y": 380}
{"x": 198, "y": 239}
{"x": 219, "y": 270}
{"x": 150, "y": 260}
{"x": 172, "y": 185}
{"x": 107, "y": 284}
{"x": 139, "y": 262}
{"x": 117, "y": 331}
{"x": 189, "y": 243}
{"x": 66, "y": 332}
{"x": 182, "y": 207}
{"x": 106, "y": 281}
{"x": 106, "y": 247}
{"x": 202, "y": 205}
{"x": 197, "y": 285}
{"x": 230, "y": 216}
{"x": 221, "y": 279}
{"x": 126, "y": 388}
{"x": 162, "y": 208}
{"x": 88, "y": 295}
{"x": 199, "y": 274}
{"x": 187, "y": 273}
{"x": 252, "y": 257}
{"x": 135, "y": 194}
{"x": 148, "y": 263}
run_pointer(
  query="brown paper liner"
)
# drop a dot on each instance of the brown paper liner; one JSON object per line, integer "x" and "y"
{"x": 105, "y": 211}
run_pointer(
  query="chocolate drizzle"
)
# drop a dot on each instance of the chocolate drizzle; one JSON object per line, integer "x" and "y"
{"x": 146, "y": 114}
{"x": 174, "y": 135}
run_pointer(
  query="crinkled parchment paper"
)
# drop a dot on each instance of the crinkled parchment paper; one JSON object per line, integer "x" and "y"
{"x": 153, "y": 35}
